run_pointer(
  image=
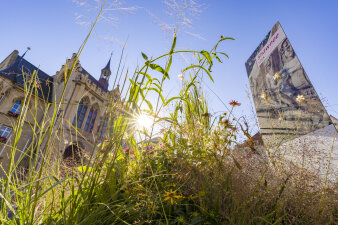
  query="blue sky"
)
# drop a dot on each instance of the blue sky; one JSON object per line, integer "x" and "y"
{"x": 55, "y": 29}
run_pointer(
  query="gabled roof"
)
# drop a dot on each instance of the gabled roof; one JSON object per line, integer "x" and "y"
{"x": 93, "y": 79}
{"x": 21, "y": 66}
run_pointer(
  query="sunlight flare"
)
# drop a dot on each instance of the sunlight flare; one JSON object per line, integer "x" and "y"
{"x": 144, "y": 121}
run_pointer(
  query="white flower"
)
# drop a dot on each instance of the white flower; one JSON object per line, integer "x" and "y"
{"x": 300, "y": 99}
{"x": 200, "y": 98}
{"x": 180, "y": 76}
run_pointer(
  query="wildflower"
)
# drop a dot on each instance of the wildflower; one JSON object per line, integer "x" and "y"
{"x": 206, "y": 115}
{"x": 280, "y": 119}
{"x": 180, "y": 219}
{"x": 193, "y": 196}
{"x": 162, "y": 131}
{"x": 226, "y": 122}
{"x": 263, "y": 95}
{"x": 233, "y": 129}
{"x": 276, "y": 76}
{"x": 194, "y": 214}
{"x": 234, "y": 103}
{"x": 128, "y": 151}
{"x": 200, "y": 98}
{"x": 300, "y": 99}
{"x": 149, "y": 147}
{"x": 180, "y": 76}
{"x": 171, "y": 195}
{"x": 37, "y": 84}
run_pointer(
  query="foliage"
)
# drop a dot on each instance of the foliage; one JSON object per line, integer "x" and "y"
{"x": 193, "y": 176}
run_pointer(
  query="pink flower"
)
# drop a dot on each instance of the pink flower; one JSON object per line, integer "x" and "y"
{"x": 234, "y": 103}
{"x": 129, "y": 151}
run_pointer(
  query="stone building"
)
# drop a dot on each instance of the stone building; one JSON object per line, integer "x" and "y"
{"x": 81, "y": 119}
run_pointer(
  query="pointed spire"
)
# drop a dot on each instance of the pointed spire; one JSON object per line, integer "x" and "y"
{"x": 105, "y": 74}
{"x": 108, "y": 64}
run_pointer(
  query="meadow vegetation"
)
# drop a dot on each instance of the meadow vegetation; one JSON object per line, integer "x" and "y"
{"x": 194, "y": 175}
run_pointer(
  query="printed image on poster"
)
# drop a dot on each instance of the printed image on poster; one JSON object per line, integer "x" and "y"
{"x": 286, "y": 102}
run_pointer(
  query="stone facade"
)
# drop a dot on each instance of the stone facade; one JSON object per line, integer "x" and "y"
{"x": 81, "y": 116}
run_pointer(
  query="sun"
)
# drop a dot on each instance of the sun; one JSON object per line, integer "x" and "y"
{"x": 144, "y": 121}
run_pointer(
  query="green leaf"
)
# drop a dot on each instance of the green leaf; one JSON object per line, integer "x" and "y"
{"x": 223, "y": 54}
{"x": 158, "y": 86}
{"x": 219, "y": 60}
{"x": 201, "y": 67}
{"x": 173, "y": 44}
{"x": 149, "y": 105}
{"x": 169, "y": 64}
{"x": 147, "y": 75}
{"x": 160, "y": 69}
{"x": 222, "y": 39}
{"x": 208, "y": 57}
{"x": 171, "y": 99}
{"x": 83, "y": 169}
{"x": 160, "y": 94}
{"x": 144, "y": 56}
{"x": 226, "y": 38}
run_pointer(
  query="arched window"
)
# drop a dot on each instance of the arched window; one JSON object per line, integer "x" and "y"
{"x": 16, "y": 107}
{"x": 103, "y": 127}
{"x": 91, "y": 119}
{"x": 81, "y": 112}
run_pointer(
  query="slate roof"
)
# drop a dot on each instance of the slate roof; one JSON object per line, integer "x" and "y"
{"x": 93, "y": 79}
{"x": 21, "y": 66}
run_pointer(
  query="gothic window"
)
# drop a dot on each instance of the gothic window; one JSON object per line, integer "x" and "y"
{"x": 16, "y": 107}
{"x": 103, "y": 127}
{"x": 81, "y": 112}
{"x": 5, "y": 131}
{"x": 91, "y": 119}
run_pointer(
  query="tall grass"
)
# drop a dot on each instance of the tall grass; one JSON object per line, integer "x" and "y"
{"x": 193, "y": 176}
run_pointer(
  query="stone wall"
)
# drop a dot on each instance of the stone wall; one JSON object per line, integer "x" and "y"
{"x": 317, "y": 152}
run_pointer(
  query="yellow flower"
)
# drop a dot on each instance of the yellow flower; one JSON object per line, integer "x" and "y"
{"x": 171, "y": 195}
{"x": 194, "y": 214}
{"x": 300, "y": 99}
{"x": 263, "y": 95}
{"x": 276, "y": 76}
{"x": 180, "y": 219}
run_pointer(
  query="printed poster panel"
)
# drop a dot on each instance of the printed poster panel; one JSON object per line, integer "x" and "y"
{"x": 286, "y": 103}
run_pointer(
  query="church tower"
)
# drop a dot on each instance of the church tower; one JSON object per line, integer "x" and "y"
{"x": 105, "y": 75}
